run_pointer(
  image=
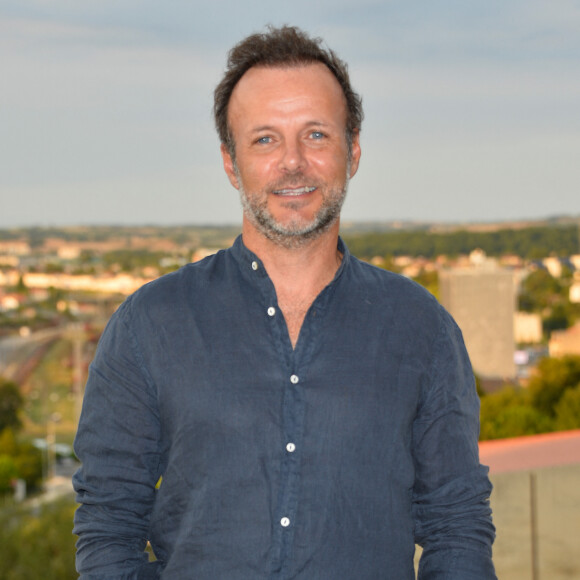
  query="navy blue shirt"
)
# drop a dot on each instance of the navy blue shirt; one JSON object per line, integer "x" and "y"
{"x": 328, "y": 461}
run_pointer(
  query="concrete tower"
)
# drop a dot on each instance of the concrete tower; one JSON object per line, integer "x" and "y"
{"x": 482, "y": 299}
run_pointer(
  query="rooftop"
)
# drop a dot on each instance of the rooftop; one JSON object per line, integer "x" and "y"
{"x": 531, "y": 452}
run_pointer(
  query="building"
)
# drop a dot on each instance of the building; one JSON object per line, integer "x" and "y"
{"x": 563, "y": 342}
{"x": 574, "y": 293}
{"x": 527, "y": 328}
{"x": 482, "y": 299}
{"x": 536, "y": 505}
{"x": 553, "y": 265}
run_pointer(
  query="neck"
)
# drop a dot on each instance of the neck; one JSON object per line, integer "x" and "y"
{"x": 296, "y": 267}
{"x": 299, "y": 274}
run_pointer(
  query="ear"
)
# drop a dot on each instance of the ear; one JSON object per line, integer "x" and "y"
{"x": 356, "y": 153}
{"x": 229, "y": 166}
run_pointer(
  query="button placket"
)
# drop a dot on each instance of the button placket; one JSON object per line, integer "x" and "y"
{"x": 292, "y": 426}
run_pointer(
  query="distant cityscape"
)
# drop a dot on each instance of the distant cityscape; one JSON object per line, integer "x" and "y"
{"x": 53, "y": 275}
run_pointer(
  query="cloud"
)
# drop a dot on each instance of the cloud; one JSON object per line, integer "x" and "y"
{"x": 73, "y": 60}
{"x": 107, "y": 103}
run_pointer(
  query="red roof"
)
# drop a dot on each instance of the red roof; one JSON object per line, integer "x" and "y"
{"x": 531, "y": 452}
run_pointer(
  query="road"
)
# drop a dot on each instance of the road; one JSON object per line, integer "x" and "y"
{"x": 16, "y": 351}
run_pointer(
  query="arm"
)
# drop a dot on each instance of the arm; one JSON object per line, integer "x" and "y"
{"x": 117, "y": 442}
{"x": 451, "y": 493}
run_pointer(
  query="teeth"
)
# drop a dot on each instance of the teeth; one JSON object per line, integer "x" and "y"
{"x": 298, "y": 191}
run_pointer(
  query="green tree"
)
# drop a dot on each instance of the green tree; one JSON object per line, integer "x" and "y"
{"x": 11, "y": 403}
{"x": 530, "y": 243}
{"x": 21, "y": 286}
{"x": 25, "y": 460}
{"x": 568, "y": 410}
{"x": 559, "y": 317}
{"x": 29, "y": 464}
{"x": 554, "y": 377}
{"x": 38, "y": 543}
{"x": 508, "y": 413}
{"x": 539, "y": 290}
{"x": 429, "y": 279}
{"x": 8, "y": 473}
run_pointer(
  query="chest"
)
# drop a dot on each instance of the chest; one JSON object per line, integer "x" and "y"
{"x": 294, "y": 307}
{"x": 239, "y": 381}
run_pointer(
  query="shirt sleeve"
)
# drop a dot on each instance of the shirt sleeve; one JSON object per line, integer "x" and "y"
{"x": 451, "y": 493}
{"x": 117, "y": 442}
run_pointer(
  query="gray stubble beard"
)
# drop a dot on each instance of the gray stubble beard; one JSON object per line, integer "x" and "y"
{"x": 293, "y": 236}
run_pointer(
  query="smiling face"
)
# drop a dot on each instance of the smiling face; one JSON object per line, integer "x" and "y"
{"x": 292, "y": 161}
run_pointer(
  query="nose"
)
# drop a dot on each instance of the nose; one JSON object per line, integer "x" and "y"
{"x": 292, "y": 156}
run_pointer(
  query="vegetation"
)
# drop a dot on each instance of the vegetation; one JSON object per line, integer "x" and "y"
{"x": 19, "y": 459}
{"x": 551, "y": 402}
{"x": 550, "y": 297}
{"x": 532, "y": 242}
{"x": 11, "y": 402}
{"x": 528, "y": 243}
{"x": 554, "y": 377}
{"x": 48, "y": 393}
{"x": 24, "y": 411}
{"x": 131, "y": 260}
{"x": 36, "y": 538}
{"x": 194, "y": 236}
{"x": 38, "y": 542}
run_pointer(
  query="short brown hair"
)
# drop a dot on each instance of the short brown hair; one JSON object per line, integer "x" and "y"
{"x": 287, "y": 46}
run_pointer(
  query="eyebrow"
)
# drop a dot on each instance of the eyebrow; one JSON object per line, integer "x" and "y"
{"x": 261, "y": 128}
{"x": 312, "y": 123}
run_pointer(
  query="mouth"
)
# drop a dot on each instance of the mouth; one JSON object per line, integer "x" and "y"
{"x": 294, "y": 191}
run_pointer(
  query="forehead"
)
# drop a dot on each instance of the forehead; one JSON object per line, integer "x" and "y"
{"x": 263, "y": 90}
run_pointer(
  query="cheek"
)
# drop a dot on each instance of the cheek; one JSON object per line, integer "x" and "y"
{"x": 333, "y": 168}
{"x": 258, "y": 173}
{"x": 331, "y": 160}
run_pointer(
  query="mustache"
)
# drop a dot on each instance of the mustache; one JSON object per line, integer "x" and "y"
{"x": 297, "y": 179}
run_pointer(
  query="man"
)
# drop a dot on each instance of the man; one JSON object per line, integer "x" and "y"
{"x": 282, "y": 410}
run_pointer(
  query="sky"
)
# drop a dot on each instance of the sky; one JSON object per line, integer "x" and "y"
{"x": 472, "y": 108}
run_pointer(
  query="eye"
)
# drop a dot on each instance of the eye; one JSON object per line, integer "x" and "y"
{"x": 317, "y": 135}
{"x": 264, "y": 140}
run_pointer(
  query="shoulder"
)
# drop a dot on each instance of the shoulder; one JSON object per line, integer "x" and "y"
{"x": 390, "y": 287}
{"x": 399, "y": 303}
{"x": 172, "y": 292}
{"x": 192, "y": 274}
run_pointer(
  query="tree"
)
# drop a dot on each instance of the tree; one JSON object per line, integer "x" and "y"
{"x": 558, "y": 318}
{"x": 38, "y": 543}
{"x": 11, "y": 403}
{"x": 508, "y": 413}
{"x": 8, "y": 473}
{"x": 538, "y": 291}
{"x": 20, "y": 459}
{"x": 554, "y": 377}
{"x": 568, "y": 410}
{"x": 21, "y": 286}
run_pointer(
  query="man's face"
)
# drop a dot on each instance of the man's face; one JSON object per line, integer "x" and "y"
{"x": 292, "y": 163}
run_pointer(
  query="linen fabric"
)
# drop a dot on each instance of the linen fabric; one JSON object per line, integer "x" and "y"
{"x": 240, "y": 458}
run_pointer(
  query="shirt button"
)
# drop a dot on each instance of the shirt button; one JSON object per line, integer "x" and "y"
{"x": 290, "y": 447}
{"x": 271, "y": 311}
{"x": 285, "y": 522}
{"x": 255, "y": 265}
{"x": 294, "y": 379}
